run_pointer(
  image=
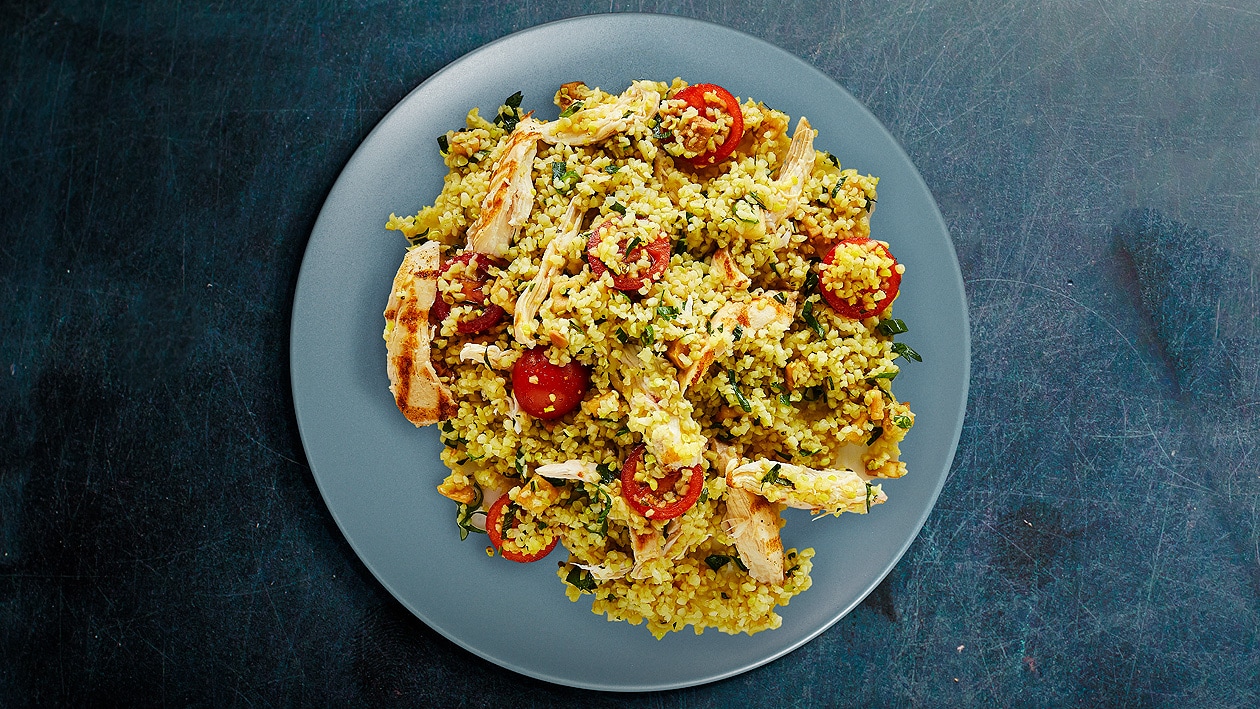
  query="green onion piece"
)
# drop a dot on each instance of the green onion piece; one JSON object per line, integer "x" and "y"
{"x": 572, "y": 109}
{"x": 903, "y": 421}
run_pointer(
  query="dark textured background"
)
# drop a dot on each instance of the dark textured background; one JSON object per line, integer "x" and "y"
{"x": 162, "y": 540}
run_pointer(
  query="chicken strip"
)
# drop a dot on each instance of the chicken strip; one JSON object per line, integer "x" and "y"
{"x": 828, "y": 491}
{"x": 550, "y": 266}
{"x": 511, "y": 195}
{"x": 636, "y": 104}
{"x": 420, "y": 395}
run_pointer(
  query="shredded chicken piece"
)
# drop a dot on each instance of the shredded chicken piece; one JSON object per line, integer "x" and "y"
{"x": 822, "y": 490}
{"x": 417, "y": 390}
{"x": 510, "y": 198}
{"x": 648, "y": 546}
{"x": 492, "y": 356}
{"x": 754, "y": 316}
{"x": 592, "y": 125}
{"x": 753, "y": 523}
{"x": 550, "y": 266}
{"x": 664, "y": 437}
{"x": 602, "y": 572}
{"x": 793, "y": 174}
{"x": 583, "y": 470}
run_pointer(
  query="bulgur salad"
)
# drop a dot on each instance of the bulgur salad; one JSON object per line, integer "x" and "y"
{"x": 643, "y": 330}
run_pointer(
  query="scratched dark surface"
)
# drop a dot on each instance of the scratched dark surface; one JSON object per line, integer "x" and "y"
{"x": 161, "y": 538}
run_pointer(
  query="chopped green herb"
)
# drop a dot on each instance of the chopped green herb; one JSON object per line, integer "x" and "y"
{"x": 891, "y": 326}
{"x": 738, "y": 332}
{"x": 756, "y": 199}
{"x": 875, "y": 434}
{"x": 870, "y": 492}
{"x": 774, "y": 478}
{"x": 612, "y": 169}
{"x": 581, "y": 579}
{"x": 444, "y": 145}
{"x": 607, "y": 473}
{"x": 633, "y": 244}
{"x": 889, "y": 375}
{"x": 839, "y": 183}
{"x": 668, "y": 312}
{"x": 622, "y": 337}
{"x": 657, "y": 131}
{"x": 418, "y": 238}
{"x": 717, "y": 561}
{"x": 572, "y": 109}
{"x": 510, "y": 113}
{"x": 782, "y": 299}
{"x": 811, "y": 280}
{"x": 605, "y": 506}
{"x": 903, "y": 421}
{"x": 619, "y": 208}
{"x": 904, "y": 350}
{"x": 834, "y": 160}
{"x": 648, "y": 335}
{"x": 807, "y": 313}
{"x": 744, "y": 403}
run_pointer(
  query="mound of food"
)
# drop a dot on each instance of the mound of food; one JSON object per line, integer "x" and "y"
{"x": 643, "y": 329}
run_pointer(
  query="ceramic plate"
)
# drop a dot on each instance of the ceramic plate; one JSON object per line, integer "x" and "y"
{"x": 377, "y": 472}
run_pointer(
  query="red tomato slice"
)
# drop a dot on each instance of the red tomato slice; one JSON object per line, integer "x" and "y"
{"x": 890, "y": 285}
{"x": 545, "y": 390}
{"x": 494, "y": 527}
{"x": 474, "y": 290}
{"x": 651, "y": 503}
{"x": 658, "y": 250}
{"x": 694, "y": 96}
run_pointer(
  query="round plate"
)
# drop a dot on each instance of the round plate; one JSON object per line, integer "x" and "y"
{"x": 377, "y": 472}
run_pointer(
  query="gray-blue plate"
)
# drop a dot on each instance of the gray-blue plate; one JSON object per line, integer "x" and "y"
{"x": 377, "y": 472}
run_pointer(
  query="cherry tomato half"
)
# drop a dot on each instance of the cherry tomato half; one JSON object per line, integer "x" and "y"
{"x": 651, "y": 503}
{"x": 890, "y": 285}
{"x": 545, "y": 390}
{"x": 657, "y": 249}
{"x": 694, "y": 96}
{"x": 473, "y": 287}
{"x": 495, "y": 527}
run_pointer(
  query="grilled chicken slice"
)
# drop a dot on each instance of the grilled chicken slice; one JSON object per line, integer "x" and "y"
{"x": 753, "y": 523}
{"x": 511, "y": 195}
{"x": 420, "y": 395}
